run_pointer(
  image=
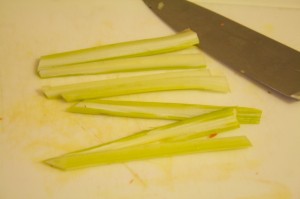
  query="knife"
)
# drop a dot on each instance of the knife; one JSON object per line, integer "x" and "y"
{"x": 272, "y": 64}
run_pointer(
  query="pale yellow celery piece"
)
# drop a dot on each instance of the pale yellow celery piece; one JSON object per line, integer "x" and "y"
{"x": 154, "y": 62}
{"x": 56, "y": 91}
{"x": 204, "y": 83}
{"x": 140, "y": 109}
{"x": 159, "y": 110}
{"x": 143, "y": 47}
{"x": 147, "y": 151}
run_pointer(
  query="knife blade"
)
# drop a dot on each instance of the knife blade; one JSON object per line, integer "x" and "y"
{"x": 273, "y": 65}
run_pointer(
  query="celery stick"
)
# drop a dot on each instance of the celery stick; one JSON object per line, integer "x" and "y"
{"x": 154, "y": 62}
{"x": 210, "y": 83}
{"x": 56, "y": 91}
{"x": 147, "y": 151}
{"x": 151, "y": 110}
{"x": 200, "y": 126}
{"x": 143, "y": 47}
{"x": 188, "y": 79}
{"x": 158, "y": 110}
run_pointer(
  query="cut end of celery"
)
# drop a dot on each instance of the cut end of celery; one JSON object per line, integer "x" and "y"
{"x": 46, "y": 90}
{"x": 247, "y": 115}
{"x": 55, "y": 163}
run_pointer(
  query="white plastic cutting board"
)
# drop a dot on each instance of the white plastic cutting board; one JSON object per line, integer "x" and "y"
{"x": 34, "y": 128}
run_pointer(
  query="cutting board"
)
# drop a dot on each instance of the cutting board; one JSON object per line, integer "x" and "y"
{"x": 34, "y": 128}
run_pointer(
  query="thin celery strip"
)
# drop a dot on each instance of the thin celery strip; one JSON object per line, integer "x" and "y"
{"x": 147, "y": 151}
{"x": 188, "y": 80}
{"x": 210, "y": 83}
{"x": 154, "y": 62}
{"x": 142, "y": 47}
{"x": 200, "y": 126}
{"x": 159, "y": 110}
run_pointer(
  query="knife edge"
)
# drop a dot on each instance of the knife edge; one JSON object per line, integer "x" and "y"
{"x": 262, "y": 59}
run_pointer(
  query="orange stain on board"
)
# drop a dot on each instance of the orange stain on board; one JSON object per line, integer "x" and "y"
{"x": 213, "y": 135}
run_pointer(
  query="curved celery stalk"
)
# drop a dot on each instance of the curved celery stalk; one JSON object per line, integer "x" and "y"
{"x": 154, "y": 62}
{"x": 189, "y": 79}
{"x": 147, "y": 151}
{"x": 159, "y": 110}
{"x": 143, "y": 47}
{"x": 216, "y": 83}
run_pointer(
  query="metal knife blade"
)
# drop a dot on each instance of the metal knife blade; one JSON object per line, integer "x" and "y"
{"x": 262, "y": 59}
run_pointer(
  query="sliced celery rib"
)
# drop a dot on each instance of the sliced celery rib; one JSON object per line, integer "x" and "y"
{"x": 196, "y": 127}
{"x": 159, "y": 110}
{"x": 217, "y": 84}
{"x": 151, "y": 46}
{"x": 188, "y": 80}
{"x": 56, "y": 91}
{"x": 152, "y": 150}
{"x": 152, "y": 110}
{"x": 155, "y": 62}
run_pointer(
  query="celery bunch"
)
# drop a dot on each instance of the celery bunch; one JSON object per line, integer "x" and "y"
{"x": 193, "y": 124}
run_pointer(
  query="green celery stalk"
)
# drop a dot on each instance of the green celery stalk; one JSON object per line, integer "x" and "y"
{"x": 200, "y": 126}
{"x": 188, "y": 79}
{"x": 216, "y": 83}
{"x": 56, "y": 91}
{"x": 147, "y": 151}
{"x": 154, "y": 62}
{"x": 143, "y": 47}
{"x": 158, "y": 110}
